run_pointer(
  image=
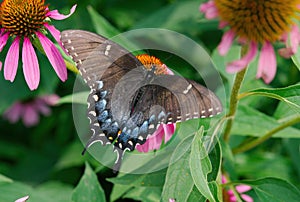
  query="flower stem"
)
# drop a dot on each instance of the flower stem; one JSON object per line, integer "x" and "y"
{"x": 234, "y": 101}
{"x": 254, "y": 143}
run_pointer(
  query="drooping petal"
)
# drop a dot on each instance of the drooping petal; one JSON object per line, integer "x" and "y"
{"x": 11, "y": 60}
{"x": 30, "y": 115}
{"x": 143, "y": 148}
{"x": 267, "y": 63}
{"x": 295, "y": 39}
{"x": 30, "y": 65}
{"x": 242, "y": 63}
{"x": 23, "y": 199}
{"x": 42, "y": 107}
{"x": 54, "y": 32}
{"x": 57, "y": 16}
{"x": 54, "y": 56}
{"x": 246, "y": 198}
{"x": 169, "y": 130}
{"x": 286, "y": 52}
{"x": 153, "y": 142}
{"x": 14, "y": 113}
{"x": 242, "y": 188}
{"x": 226, "y": 42}
{"x": 3, "y": 40}
{"x": 50, "y": 99}
{"x": 209, "y": 9}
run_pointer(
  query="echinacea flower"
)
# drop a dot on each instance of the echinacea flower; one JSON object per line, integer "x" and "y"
{"x": 164, "y": 131}
{"x": 29, "y": 111}
{"x": 26, "y": 23}
{"x": 258, "y": 24}
{"x": 23, "y": 199}
{"x": 228, "y": 195}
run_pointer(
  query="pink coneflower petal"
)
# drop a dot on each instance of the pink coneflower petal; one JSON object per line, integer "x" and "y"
{"x": 54, "y": 14}
{"x": 30, "y": 115}
{"x": 267, "y": 63}
{"x": 30, "y": 65}
{"x": 286, "y": 52}
{"x": 11, "y": 60}
{"x": 143, "y": 148}
{"x": 42, "y": 107}
{"x": 209, "y": 9}
{"x": 295, "y": 38}
{"x": 246, "y": 198}
{"x": 54, "y": 32}
{"x": 169, "y": 130}
{"x": 54, "y": 56}
{"x": 14, "y": 113}
{"x": 3, "y": 40}
{"x": 23, "y": 199}
{"x": 242, "y": 63}
{"x": 226, "y": 42}
{"x": 243, "y": 188}
{"x": 50, "y": 99}
{"x": 222, "y": 24}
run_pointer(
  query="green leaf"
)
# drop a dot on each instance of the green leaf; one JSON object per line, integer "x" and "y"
{"x": 88, "y": 189}
{"x": 155, "y": 179}
{"x": 195, "y": 195}
{"x": 145, "y": 194}
{"x": 200, "y": 166}
{"x": 102, "y": 26}
{"x": 179, "y": 182}
{"x": 273, "y": 189}
{"x": 296, "y": 59}
{"x": 79, "y": 98}
{"x": 251, "y": 122}
{"x": 289, "y": 95}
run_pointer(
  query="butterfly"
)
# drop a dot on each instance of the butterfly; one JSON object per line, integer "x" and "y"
{"x": 129, "y": 99}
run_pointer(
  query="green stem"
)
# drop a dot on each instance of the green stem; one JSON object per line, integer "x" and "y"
{"x": 254, "y": 143}
{"x": 234, "y": 102}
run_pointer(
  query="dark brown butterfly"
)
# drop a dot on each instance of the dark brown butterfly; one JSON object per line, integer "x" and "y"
{"x": 127, "y": 100}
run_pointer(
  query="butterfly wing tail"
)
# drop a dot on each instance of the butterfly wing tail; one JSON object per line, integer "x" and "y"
{"x": 118, "y": 162}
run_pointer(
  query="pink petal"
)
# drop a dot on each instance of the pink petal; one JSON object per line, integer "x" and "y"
{"x": 54, "y": 56}
{"x": 209, "y": 9}
{"x": 30, "y": 116}
{"x": 30, "y": 65}
{"x": 286, "y": 52}
{"x": 156, "y": 138}
{"x": 242, "y": 63}
{"x": 226, "y": 42}
{"x": 42, "y": 107}
{"x": 11, "y": 60}
{"x": 143, "y": 148}
{"x": 247, "y": 198}
{"x": 57, "y": 16}
{"x": 172, "y": 200}
{"x": 3, "y": 40}
{"x": 232, "y": 199}
{"x": 54, "y": 32}
{"x": 169, "y": 130}
{"x": 295, "y": 38}
{"x": 267, "y": 63}
{"x": 23, "y": 199}
{"x": 50, "y": 99}
{"x": 242, "y": 188}
{"x": 222, "y": 24}
{"x": 14, "y": 113}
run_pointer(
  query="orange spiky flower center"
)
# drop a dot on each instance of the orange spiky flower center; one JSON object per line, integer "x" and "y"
{"x": 259, "y": 20}
{"x": 22, "y": 17}
{"x": 152, "y": 62}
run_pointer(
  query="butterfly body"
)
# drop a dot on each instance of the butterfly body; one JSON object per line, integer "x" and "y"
{"x": 131, "y": 97}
